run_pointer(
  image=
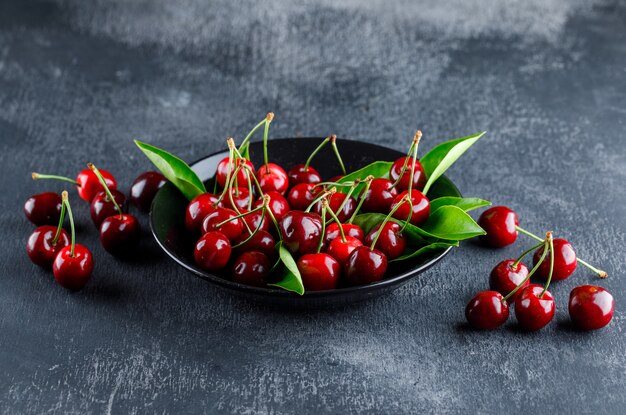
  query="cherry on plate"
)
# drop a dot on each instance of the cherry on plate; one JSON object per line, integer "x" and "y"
{"x": 119, "y": 234}
{"x": 341, "y": 250}
{"x": 144, "y": 188}
{"x": 73, "y": 271}
{"x": 364, "y": 266}
{"x": 262, "y": 241}
{"x": 390, "y": 242}
{"x": 217, "y": 221}
{"x": 278, "y": 205}
{"x": 40, "y": 248}
{"x": 224, "y": 166}
{"x": 419, "y": 176}
{"x": 564, "y": 260}
{"x": 335, "y": 202}
{"x": 302, "y": 195}
{"x": 302, "y": 174}
{"x": 102, "y": 206}
{"x": 198, "y": 209}
{"x": 532, "y": 311}
{"x": 319, "y": 271}
{"x": 591, "y": 307}
{"x": 500, "y": 223}
{"x": 379, "y": 196}
{"x": 506, "y": 276}
{"x": 421, "y": 207}
{"x": 238, "y": 200}
{"x": 301, "y": 231}
{"x": 349, "y": 229}
{"x": 251, "y": 268}
{"x": 212, "y": 251}
{"x": 272, "y": 177}
{"x": 487, "y": 311}
{"x": 43, "y": 208}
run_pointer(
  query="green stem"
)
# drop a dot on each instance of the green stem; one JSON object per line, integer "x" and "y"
{"x": 368, "y": 182}
{"x": 545, "y": 288}
{"x": 268, "y": 120}
{"x": 519, "y": 259}
{"x": 347, "y": 198}
{"x": 258, "y": 227}
{"x": 321, "y": 242}
{"x": 317, "y": 199}
{"x": 60, "y": 226}
{"x": 336, "y": 219}
{"x": 231, "y": 160}
{"x": 404, "y": 165}
{"x": 333, "y": 141}
{"x": 245, "y": 141}
{"x": 384, "y": 222}
{"x": 241, "y": 215}
{"x": 39, "y": 176}
{"x": 317, "y": 150}
{"x": 530, "y": 274}
{"x": 525, "y": 232}
{"x": 106, "y": 188}
{"x": 66, "y": 202}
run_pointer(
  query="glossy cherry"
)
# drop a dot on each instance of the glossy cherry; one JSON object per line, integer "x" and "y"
{"x": 239, "y": 201}
{"x": 272, "y": 177}
{"x": 262, "y": 241}
{"x": 242, "y": 175}
{"x": 301, "y": 231}
{"x": 379, "y": 196}
{"x": 302, "y": 174}
{"x": 591, "y": 307}
{"x": 222, "y": 220}
{"x": 500, "y": 224}
{"x": 40, "y": 248}
{"x": 89, "y": 185}
{"x": 252, "y": 268}
{"x": 487, "y": 311}
{"x": 349, "y": 229}
{"x": 43, "y": 208}
{"x": 144, "y": 188}
{"x": 419, "y": 176}
{"x": 564, "y": 261}
{"x": 302, "y": 195}
{"x": 341, "y": 250}
{"x": 212, "y": 251}
{"x": 364, "y": 266}
{"x": 253, "y": 219}
{"x": 531, "y": 311}
{"x": 102, "y": 207}
{"x": 319, "y": 271}
{"x": 73, "y": 271}
{"x": 119, "y": 234}
{"x": 335, "y": 201}
{"x": 198, "y": 209}
{"x": 506, "y": 276}
{"x": 277, "y": 204}
{"x": 391, "y": 242}
{"x": 421, "y": 207}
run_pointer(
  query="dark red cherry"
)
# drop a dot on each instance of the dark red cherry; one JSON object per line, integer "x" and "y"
{"x": 224, "y": 166}
{"x": 102, "y": 207}
{"x": 487, "y": 311}
{"x": 39, "y": 245}
{"x": 591, "y": 307}
{"x": 43, "y": 208}
{"x": 198, "y": 209}
{"x": 335, "y": 179}
{"x": 380, "y": 196}
{"x": 419, "y": 176}
{"x": 421, "y": 207}
{"x": 332, "y": 232}
{"x": 272, "y": 177}
{"x": 564, "y": 261}
{"x": 253, "y": 220}
{"x": 216, "y": 221}
{"x": 391, "y": 242}
{"x": 212, "y": 251}
{"x": 240, "y": 198}
{"x": 302, "y": 195}
{"x": 252, "y": 268}
{"x": 278, "y": 204}
{"x": 144, "y": 188}
{"x": 73, "y": 272}
{"x": 341, "y": 250}
{"x": 89, "y": 185}
{"x": 505, "y": 277}
{"x": 262, "y": 241}
{"x": 335, "y": 201}
{"x": 499, "y": 222}
{"x": 301, "y": 231}
{"x": 364, "y": 266}
{"x": 120, "y": 235}
{"x": 532, "y": 312}
{"x": 299, "y": 174}
{"x": 319, "y": 271}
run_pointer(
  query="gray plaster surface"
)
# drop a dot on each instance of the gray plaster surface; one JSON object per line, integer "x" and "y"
{"x": 80, "y": 79}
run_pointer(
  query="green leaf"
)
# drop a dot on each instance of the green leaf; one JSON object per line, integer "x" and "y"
{"x": 292, "y": 281}
{"x": 435, "y": 246}
{"x": 465, "y": 203}
{"x": 378, "y": 169}
{"x": 441, "y": 157}
{"x": 174, "y": 169}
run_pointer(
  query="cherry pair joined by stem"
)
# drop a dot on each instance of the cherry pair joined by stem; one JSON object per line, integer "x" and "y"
{"x": 43, "y": 208}
{"x": 144, "y": 188}
{"x": 87, "y": 183}
{"x": 41, "y": 246}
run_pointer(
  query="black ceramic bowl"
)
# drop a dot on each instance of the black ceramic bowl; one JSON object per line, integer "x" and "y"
{"x": 167, "y": 220}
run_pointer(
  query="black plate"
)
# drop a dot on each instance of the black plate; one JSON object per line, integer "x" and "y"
{"x": 168, "y": 227}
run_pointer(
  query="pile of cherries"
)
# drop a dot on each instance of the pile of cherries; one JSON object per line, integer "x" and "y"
{"x": 251, "y": 211}
{"x": 590, "y": 307}
{"x": 50, "y": 247}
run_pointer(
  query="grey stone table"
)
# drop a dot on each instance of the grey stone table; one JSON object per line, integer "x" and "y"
{"x": 80, "y": 79}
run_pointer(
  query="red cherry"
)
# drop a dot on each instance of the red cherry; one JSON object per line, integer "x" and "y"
{"x": 532, "y": 312}
{"x": 144, "y": 188}
{"x": 504, "y": 278}
{"x": 39, "y": 245}
{"x": 89, "y": 185}
{"x": 272, "y": 177}
{"x": 499, "y": 222}
{"x": 198, "y": 209}
{"x": 380, "y": 196}
{"x": 231, "y": 229}
{"x": 253, "y": 219}
{"x": 251, "y": 268}
{"x": 224, "y": 166}
{"x": 120, "y": 235}
{"x": 332, "y": 232}
{"x": 299, "y": 174}
{"x": 73, "y": 272}
{"x": 240, "y": 198}
{"x": 421, "y": 207}
{"x": 278, "y": 204}
{"x": 335, "y": 179}
{"x": 391, "y": 242}
{"x": 591, "y": 307}
{"x": 364, "y": 266}
{"x": 301, "y": 231}
{"x": 102, "y": 207}
{"x": 302, "y": 195}
{"x": 487, "y": 311}
{"x": 564, "y": 261}
{"x": 335, "y": 201}
{"x": 319, "y": 271}
{"x": 212, "y": 251}
{"x": 43, "y": 208}
{"x": 262, "y": 241}
{"x": 419, "y": 176}
{"x": 341, "y": 250}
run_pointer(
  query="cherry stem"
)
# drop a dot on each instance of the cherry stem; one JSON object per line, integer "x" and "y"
{"x": 39, "y": 176}
{"x": 66, "y": 201}
{"x": 256, "y": 182}
{"x": 268, "y": 120}
{"x": 387, "y": 218}
{"x": 320, "y": 197}
{"x": 346, "y": 184}
{"x": 271, "y": 215}
{"x": 241, "y": 215}
{"x": 530, "y": 274}
{"x": 246, "y": 140}
{"x": 60, "y": 225}
{"x": 317, "y": 150}
{"x": 227, "y": 185}
{"x": 333, "y": 141}
{"x": 324, "y": 209}
{"x": 412, "y": 151}
{"x": 519, "y": 259}
{"x": 258, "y": 227}
{"x": 106, "y": 188}
{"x": 545, "y": 288}
{"x": 601, "y": 273}
{"x": 408, "y": 218}
{"x": 336, "y": 219}
{"x": 368, "y": 182}
{"x": 348, "y": 195}
{"x": 416, "y": 142}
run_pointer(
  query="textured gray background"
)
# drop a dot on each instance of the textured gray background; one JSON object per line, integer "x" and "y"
{"x": 80, "y": 79}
